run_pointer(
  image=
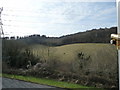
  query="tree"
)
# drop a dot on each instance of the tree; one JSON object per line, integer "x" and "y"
{"x": 16, "y": 54}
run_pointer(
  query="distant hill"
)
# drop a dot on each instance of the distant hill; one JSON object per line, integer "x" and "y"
{"x": 101, "y": 35}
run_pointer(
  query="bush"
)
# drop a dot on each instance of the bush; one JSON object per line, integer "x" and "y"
{"x": 82, "y": 60}
{"x": 17, "y": 55}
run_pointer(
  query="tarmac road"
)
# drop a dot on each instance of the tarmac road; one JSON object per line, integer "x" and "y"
{"x": 13, "y": 83}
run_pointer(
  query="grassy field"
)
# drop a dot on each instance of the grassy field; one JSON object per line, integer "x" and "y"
{"x": 102, "y": 55}
{"x": 96, "y": 51}
{"x": 67, "y": 52}
{"x": 45, "y": 81}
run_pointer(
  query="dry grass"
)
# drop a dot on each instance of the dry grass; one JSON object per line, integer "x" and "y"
{"x": 98, "y": 52}
{"x": 103, "y": 56}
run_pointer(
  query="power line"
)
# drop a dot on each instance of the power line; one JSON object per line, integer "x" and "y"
{"x": 12, "y": 15}
{"x": 22, "y": 10}
{"x": 27, "y": 22}
{"x": 37, "y": 12}
{"x": 17, "y": 26}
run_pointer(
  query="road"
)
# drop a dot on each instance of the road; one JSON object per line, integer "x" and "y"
{"x": 12, "y": 83}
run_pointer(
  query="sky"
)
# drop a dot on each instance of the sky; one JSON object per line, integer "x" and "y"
{"x": 56, "y": 18}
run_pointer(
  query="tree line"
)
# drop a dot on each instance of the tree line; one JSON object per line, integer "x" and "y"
{"x": 101, "y": 35}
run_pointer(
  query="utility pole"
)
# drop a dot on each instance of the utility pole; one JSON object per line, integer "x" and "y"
{"x": 1, "y": 32}
{"x": 1, "y": 28}
{"x": 116, "y": 39}
{"x": 118, "y": 17}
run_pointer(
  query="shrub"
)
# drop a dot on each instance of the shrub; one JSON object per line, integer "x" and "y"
{"x": 17, "y": 55}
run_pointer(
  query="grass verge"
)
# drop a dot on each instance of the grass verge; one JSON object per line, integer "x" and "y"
{"x": 45, "y": 81}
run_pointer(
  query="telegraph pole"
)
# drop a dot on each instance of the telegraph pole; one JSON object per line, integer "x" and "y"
{"x": 1, "y": 28}
{"x": 1, "y": 32}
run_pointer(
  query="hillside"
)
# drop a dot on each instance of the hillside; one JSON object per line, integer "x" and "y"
{"x": 103, "y": 56}
{"x": 101, "y": 35}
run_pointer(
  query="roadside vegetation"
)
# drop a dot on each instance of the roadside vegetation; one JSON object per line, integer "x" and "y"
{"x": 45, "y": 81}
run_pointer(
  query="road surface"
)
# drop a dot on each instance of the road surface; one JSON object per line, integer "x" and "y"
{"x": 12, "y": 83}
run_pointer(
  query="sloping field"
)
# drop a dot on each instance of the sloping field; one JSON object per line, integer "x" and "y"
{"x": 103, "y": 56}
{"x": 102, "y": 52}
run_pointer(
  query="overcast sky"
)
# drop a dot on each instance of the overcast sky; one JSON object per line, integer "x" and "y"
{"x": 25, "y": 17}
